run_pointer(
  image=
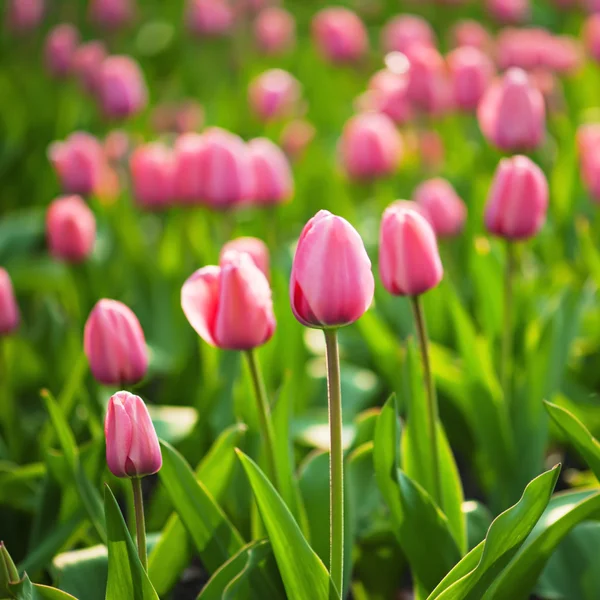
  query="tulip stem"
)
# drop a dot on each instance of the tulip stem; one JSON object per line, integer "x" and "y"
{"x": 507, "y": 325}
{"x": 140, "y": 523}
{"x": 336, "y": 462}
{"x": 432, "y": 405}
{"x": 264, "y": 415}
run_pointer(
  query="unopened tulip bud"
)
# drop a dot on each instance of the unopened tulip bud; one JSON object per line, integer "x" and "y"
{"x": 70, "y": 229}
{"x": 275, "y": 30}
{"x": 189, "y": 185}
{"x": 390, "y": 95}
{"x": 446, "y": 211}
{"x": 274, "y": 94}
{"x": 255, "y": 247}
{"x": 10, "y": 316}
{"x": 428, "y": 82}
{"x": 588, "y": 139}
{"x": 272, "y": 176}
{"x": 209, "y": 17}
{"x": 61, "y": 45}
{"x": 114, "y": 344}
{"x": 230, "y": 306}
{"x": 331, "y": 282}
{"x": 518, "y": 199}
{"x": 132, "y": 448}
{"x": 121, "y": 87}
{"x": 471, "y": 72}
{"x": 509, "y": 11}
{"x": 511, "y": 113}
{"x": 376, "y": 132}
{"x": 340, "y": 35}
{"x": 296, "y": 137}
{"x": 23, "y": 16}
{"x": 409, "y": 261}
{"x": 591, "y": 36}
{"x": 152, "y": 169}
{"x": 404, "y": 32}
{"x": 111, "y": 14}
{"x": 87, "y": 63}
{"x": 471, "y": 33}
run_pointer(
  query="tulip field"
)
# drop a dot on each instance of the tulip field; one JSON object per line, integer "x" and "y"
{"x": 299, "y": 301}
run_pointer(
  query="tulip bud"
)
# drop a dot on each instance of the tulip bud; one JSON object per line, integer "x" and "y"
{"x": 446, "y": 211}
{"x": 591, "y": 6}
{"x": 121, "y": 87}
{"x": 471, "y": 33}
{"x": 209, "y": 17}
{"x": 471, "y": 72}
{"x": 377, "y": 133}
{"x": 588, "y": 139}
{"x": 10, "y": 316}
{"x": 152, "y": 169}
{"x": 428, "y": 83}
{"x": 509, "y": 11}
{"x": 340, "y": 35}
{"x": 9, "y": 573}
{"x": 23, "y": 16}
{"x": 272, "y": 176}
{"x": 409, "y": 261}
{"x": 518, "y": 199}
{"x": 132, "y": 448}
{"x": 111, "y": 14}
{"x": 257, "y": 249}
{"x": 114, "y": 344}
{"x": 87, "y": 63}
{"x": 390, "y": 95}
{"x": 188, "y": 157}
{"x": 275, "y": 31}
{"x": 591, "y": 36}
{"x": 117, "y": 145}
{"x": 230, "y": 306}
{"x": 274, "y": 94}
{"x": 404, "y": 32}
{"x": 79, "y": 163}
{"x": 331, "y": 282}
{"x": 296, "y": 137}
{"x": 61, "y": 45}
{"x": 511, "y": 113}
{"x": 70, "y": 229}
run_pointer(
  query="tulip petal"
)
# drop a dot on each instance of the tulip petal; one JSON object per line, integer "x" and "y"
{"x": 118, "y": 431}
{"x": 144, "y": 454}
{"x": 199, "y": 301}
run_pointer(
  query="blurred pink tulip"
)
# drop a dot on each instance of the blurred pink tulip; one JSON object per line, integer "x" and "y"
{"x": 152, "y": 168}
{"x": 428, "y": 82}
{"x": 114, "y": 344}
{"x": 10, "y": 316}
{"x": 189, "y": 185}
{"x": 255, "y": 247}
{"x": 471, "y": 33}
{"x": 273, "y": 180}
{"x": 331, "y": 282}
{"x": 132, "y": 448}
{"x": 87, "y": 63}
{"x": 591, "y": 36}
{"x": 444, "y": 210}
{"x": 296, "y": 137}
{"x": 518, "y": 199}
{"x": 275, "y": 30}
{"x": 471, "y": 72}
{"x": 209, "y": 17}
{"x": 409, "y": 261}
{"x": 370, "y": 146}
{"x": 590, "y": 175}
{"x": 111, "y": 14}
{"x": 509, "y": 11}
{"x": 340, "y": 35}
{"x": 274, "y": 94}
{"x": 404, "y": 32}
{"x": 61, "y": 45}
{"x": 591, "y": 6}
{"x": 117, "y": 145}
{"x": 230, "y": 306}
{"x": 70, "y": 229}
{"x": 588, "y": 139}
{"x": 121, "y": 87}
{"x": 23, "y": 16}
{"x": 389, "y": 95}
{"x": 431, "y": 149}
{"x": 511, "y": 113}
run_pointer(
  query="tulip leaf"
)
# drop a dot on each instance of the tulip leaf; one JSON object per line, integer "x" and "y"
{"x": 474, "y": 574}
{"x": 304, "y": 574}
{"x": 26, "y": 590}
{"x": 127, "y": 579}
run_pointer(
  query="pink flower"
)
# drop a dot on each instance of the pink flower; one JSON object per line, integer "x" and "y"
{"x": 275, "y": 30}
{"x": 445, "y": 210}
{"x": 111, "y": 14}
{"x": 518, "y": 199}
{"x": 389, "y": 95}
{"x": 132, "y": 448}
{"x": 9, "y": 310}
{"x": 114, "y": 344}
{"x": 23, "y": 16}
{"x": 332, "y": 282}
{"x": 296, "y": 137}
{"x": 87, "y": 62}
{"x": 409, "y": 261}
{"x": 591, "y": 36}
{"x": 471, "y": 72}
{"x": 209, "y": 17}
{"x": 471, "y": 33}
{"x": 274, "y": 94}
{"x": 256, "y": 248}
{"x": 428, "y": 84}
{"x": 272, "y": 176}
{"x": 61, "y": 45}
{"x": 70, "y": 229}
{"x": 230, "y": 306}
{"x": 404, "y": 32}
{"x": 152, "y": 169}
{"x": 509, "y": 11}
{"x": 340, "y": 35}
{"x": 511, "y": 113}
{"x": 189, "y": 185}
{"x": 121, "y": 87}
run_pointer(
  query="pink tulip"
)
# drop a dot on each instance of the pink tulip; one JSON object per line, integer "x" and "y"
{"x": 274, "y": 94}
{"x": 189, "y": 149}
{"x": 431, "y": 149}
{"x": 114, "y": 344}
{"x": 340, "y": 35}
{"x": 9, "y": 310}
{"x": 404, "y": 32}
{"x": 132, "y": 448}
{"x": 588, "y": 139}
{"x": 332, "y": 282}
{"x": 275, "y": 31}
{"x": 522, "y": 47}
{"x": 592, "y": 6}
{"x": 61, "y": 45}
{"x": 511, "y": 113}
{"x": 152, "y": 169}
{"x": 509, "y": 11}
{"x": 79, "y": 163}
{"x": 70, "y": 229}
{"x": 413, "y": 206}
{"x": 471, "y": 72}
{"x": 371, "y": 146}
{"x": 87, "y": 63}
{"x": 254, "y": 247}
{"x": 409, "y": 261}
{"x": 117, "y": 145}
{"x": 23, "y": 16}
{"x": 389, "y": 95}
{"x": 209, "y": 17}
{"x": 446, "y": 211}
{"x": 111, "y": 14}
{"x": 471, "y": 33}
{"x": 230, "y": 306}
{"x": 121, "y": 87}
{"x": 518, "y": 199}
{"x": 428, "y": 83}
{"x": 591, "y": 36}
{"x": 178, "y": 117}
{"x": 273, "y": 181}
{"x": 296, "y": 137}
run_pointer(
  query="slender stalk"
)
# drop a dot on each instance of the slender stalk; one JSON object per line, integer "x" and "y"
{"x": 264, "y": 415}
{"x": 336, "y": 462}
{"x": 432, "y": 406}
{"x": 507, "y": 325}
{"x": 138, "y": 501}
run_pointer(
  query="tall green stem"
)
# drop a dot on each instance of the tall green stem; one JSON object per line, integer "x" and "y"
{"x": 140, "y": 523}
{"x": 264, "y": 415}
{"x": 507, "y": 325}
{"x": 336, "y": 462}
{"x": 432, "y": 406}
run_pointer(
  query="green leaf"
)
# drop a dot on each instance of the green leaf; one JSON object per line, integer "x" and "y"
{"x": 474, "y": 574}
{"x": 8, "y": 570}
{"x": 304, "y": 574}
{"x": 26, "y": 590}
{"x": 127, "y": 579}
